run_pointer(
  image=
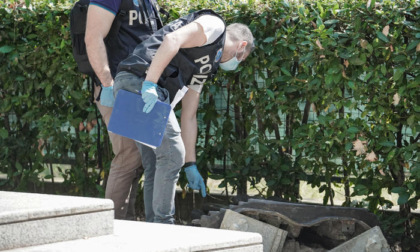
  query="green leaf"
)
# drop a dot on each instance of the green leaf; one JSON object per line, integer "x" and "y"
{"x": 269, "y": 39}
{"x": 387, "y": 144}
{"x": 271, "y": 182}
{"x": 349, "y": 146}
{"x": 352, "y": 130}
{"x": 320, "y": 8}
{"x": 48, "y": 90}
{"x": 391, "y": 155}
{"x": 412, "y": 45}
{"x": 3, "y": 133}
{"x": 361, "y": 190}
{"x": 392, "y": 127}
{"x": 6, "y": 49}
{"x": 415, "y": 171}
{"x": 369, "y": 48}
{"x": 398, "y": 73}
{"x": 411, "y": 186}
{"x": 357, "y": 61}
{"x": 364, "y": 113}
{"x": 322, "y": 119}
{"x": 285, "y": 71}
{"x": 408, "y": 155}
{"x": 63, "y": 44}
{"x": 285, "y": 167}
{"x": 372, "y": 4}
{"x": 400, "y": 58}
{"x": 302, "y": 11}
{"x": 411, "y": 120}
{"x": 264, "y": 22}
{"x": 329, "y": 79}
{"x": 270, "y": 93}
{"x": 403, "y": 198}
{"x": 19, "y": 167}
{"x": 382, "y": 37}
{"x": 174, "y": 13}
{"x": 331, "y": 21}
{"x": 367, "y": 76}
{"x": 383, "y": 69}
{"x": 285, "y": 181}
{"x": 306, "y": 42}
{"x": 32, "y": 36}
{"x": 398, "y": 190}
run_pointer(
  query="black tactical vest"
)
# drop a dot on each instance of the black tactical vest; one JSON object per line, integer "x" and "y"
{"x": 135, "y": 27}
{"x": 190, "y": 66}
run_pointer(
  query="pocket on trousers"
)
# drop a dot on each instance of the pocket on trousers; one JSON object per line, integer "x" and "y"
{"x": 173, "y": 125}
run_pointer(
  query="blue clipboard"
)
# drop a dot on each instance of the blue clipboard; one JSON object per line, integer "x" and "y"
{"x": 129, "y": 120}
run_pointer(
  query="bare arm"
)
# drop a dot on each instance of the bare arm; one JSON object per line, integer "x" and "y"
{"x": 191, "y": 35}
{"x": 98, "y": 24}
{"x": 189, "y": 124}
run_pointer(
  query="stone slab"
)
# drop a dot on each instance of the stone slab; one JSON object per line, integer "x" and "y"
{"x": 153, "y": 237}
{"x": 370, "y": 241}
{"x": 16, "y": 207}
{"x": 28, "y": 219}
{"x": 273, "y": 237}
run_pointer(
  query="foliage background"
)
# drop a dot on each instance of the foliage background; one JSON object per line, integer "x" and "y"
{"x": 331, "y": 94}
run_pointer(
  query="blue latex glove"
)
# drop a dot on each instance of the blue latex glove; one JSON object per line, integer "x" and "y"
{"x": 149, "y": 95}
{"x": 107, "y": 96}
{"x": 195, "y": 181}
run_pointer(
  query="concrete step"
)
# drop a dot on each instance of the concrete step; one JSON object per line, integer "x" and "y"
{"x": 28, "y": 219}
{"x": 153, "y": 237}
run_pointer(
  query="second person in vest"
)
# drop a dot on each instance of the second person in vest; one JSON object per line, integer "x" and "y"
{"x": 172, "y": 65}
{"x": 138, "y": 20}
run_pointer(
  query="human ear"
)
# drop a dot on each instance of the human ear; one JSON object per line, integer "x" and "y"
{"x": 243, "y": 44}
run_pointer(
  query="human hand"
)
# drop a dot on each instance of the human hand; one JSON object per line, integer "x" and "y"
{"x": 149, "y": 95}
{"x": 107, "y": 96}
{"x": 195, "y": 181}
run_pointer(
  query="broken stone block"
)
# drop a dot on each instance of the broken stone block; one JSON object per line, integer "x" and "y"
{"x": 316, "y": 226}
{"x": 370, "y": 241}
{"x": 273, "y": 237}
{"x": 292, "y": 245}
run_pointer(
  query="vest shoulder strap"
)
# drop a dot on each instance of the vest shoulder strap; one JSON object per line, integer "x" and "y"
{"x": 124, "y": 7}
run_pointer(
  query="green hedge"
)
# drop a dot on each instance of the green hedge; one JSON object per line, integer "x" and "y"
{"x": 332, "y": 90}
{"x": 44, "y": 100}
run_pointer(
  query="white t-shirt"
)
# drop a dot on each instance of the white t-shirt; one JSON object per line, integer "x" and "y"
{"x": 213, "y": 27}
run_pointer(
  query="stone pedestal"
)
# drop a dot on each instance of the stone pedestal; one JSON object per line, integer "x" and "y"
{"x": 51, "y": 223}
{"x": 28, "y": 219}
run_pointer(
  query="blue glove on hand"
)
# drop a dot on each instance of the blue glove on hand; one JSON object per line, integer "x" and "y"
{"x": 195, "y": 181}
{"x": 107, "y": 96}
{"x": 149, "y": 95}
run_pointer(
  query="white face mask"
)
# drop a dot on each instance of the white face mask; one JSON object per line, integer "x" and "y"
{"x": 231, "y": 64}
